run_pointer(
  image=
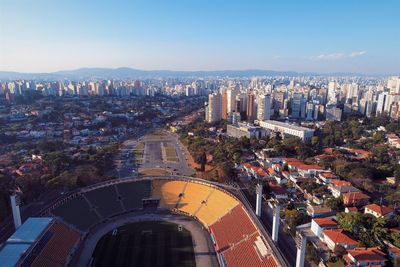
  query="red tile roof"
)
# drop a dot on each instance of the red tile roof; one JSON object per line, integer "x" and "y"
{"x": 328, "y": 175}
{"x": 325, "y": 222}
{"x": 381, "y": 210}
{"x": 395, "y": 251}
{"x": 367, "y": 255}
{"x": 340, "y": 182}
{"x": 337, "y": 236}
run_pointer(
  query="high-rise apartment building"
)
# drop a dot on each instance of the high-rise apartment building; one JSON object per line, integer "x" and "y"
{"x": 224, "y": 107}
{"x": 214, "y": 108}
{"x": 264, "y": 107}
{"x": 250, "y": 107}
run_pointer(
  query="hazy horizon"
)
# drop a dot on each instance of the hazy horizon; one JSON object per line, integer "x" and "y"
{"x": 315, "y": 36}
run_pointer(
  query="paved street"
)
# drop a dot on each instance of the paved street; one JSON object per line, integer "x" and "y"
{"x": 153, "y": 155}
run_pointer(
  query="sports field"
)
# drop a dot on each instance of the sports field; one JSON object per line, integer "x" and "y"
{"x": 170, "y": 153}
{"x": 145, "y": 244}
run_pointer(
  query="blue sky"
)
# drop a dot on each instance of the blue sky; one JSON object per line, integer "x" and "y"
{"x": 311, "y": 35}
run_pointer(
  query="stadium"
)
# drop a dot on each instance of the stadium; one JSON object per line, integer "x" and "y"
{"x": 149, "y": 221}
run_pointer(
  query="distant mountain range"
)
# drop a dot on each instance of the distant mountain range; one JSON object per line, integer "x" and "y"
{"x": 130, "y": 73}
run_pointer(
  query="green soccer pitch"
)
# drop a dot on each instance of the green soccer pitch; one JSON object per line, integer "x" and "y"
{"x": 145, "y": 244}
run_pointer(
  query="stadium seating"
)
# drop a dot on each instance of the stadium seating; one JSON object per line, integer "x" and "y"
{"x": 232, "y": 228}
{"x": 57, "y": 250}
{"x": 236, "y": 238}
{"x": 132, "y": 193}
{"x": 245, "y": 254}
{"x": 193, "y": 197}
{"x": 168, "y": 192}
{"x": 105, "y": 200}
{"x": 216, "y": 206}
{"x": 77, "y": 212}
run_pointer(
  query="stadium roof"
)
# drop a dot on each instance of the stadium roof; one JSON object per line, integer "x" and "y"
{"x": 30, "y": 231}
{"x": 11, "y": 253}
{"x": 22, "y": 240}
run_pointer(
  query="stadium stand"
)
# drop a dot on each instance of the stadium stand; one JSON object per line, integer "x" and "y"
{"x": 26, "y": 237}
{"x": 77, "y": 212}
{"x": 56, "y": 251}
{"x": 232, "y": 228}
{"x": 105, "y": 199}
{"x": 133, "y": 193}
{"x": 168, "y": 192}
{"x": 216, "y": 206}
{"x": 249, "y": 253}
{"x": 238, "y": 242}
{"x": 193, "y": 198}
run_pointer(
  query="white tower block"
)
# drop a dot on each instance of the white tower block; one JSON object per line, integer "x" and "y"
{"x": 259, "y": 199}
{"x": 276, "y": 221}
{"x": 15, "y": 211}
{"x": 301, "y": 241}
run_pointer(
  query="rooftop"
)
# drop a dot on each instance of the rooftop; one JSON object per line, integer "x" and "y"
{"x": 325, "y": 222}
{"x": 367, "y": 255}
{"x": 338, "y": 237}
{"x": 287, "y": 125}
{"x": 380, "y": 209}
{"x": 30, "y": 230}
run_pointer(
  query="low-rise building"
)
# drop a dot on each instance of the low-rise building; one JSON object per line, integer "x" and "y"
{"x": 287, "y": 129}
{"x": 338, "y": 191}
{"x": 379, "y": 211}
{"x": 320, "y": 224}
{"x": 244, "y": 130}
{"x": 318, "y": 211}
{"x": 365, "y": 257}
{"x": 355, "y": 199}
{"x": 336, "y": 237}
{"x": 327, "y": 177}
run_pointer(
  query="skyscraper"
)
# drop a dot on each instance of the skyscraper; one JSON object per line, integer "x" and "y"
{"x": 214, "y": 112}
{"x": 224, "y": 106}
{"x": 264, "y": 107}
{"x": 231, "y": 94}
{"x": 250, "y": 107}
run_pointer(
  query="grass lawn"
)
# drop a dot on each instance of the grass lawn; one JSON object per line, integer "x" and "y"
{"x": 170, "y": 152}
{"x": 154, "y": 172}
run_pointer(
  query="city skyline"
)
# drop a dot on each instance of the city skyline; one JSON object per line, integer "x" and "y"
{"x": 319, "y": 37}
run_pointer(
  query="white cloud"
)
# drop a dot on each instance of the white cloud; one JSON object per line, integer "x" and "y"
{"x": 357, "y": 54}
{"x": 337, "y": 56}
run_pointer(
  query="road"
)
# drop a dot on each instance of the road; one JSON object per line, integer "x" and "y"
{"x": 153, "y": 154}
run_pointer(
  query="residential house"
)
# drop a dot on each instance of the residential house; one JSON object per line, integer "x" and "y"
{"x": 320, "y": 224}
{"x": 355, "y": 199}
{"x": 365, "y": 257}
{"x": 379, "y": 211}
{"x": 326, "y": 177}
{"x": 318, "y": 211}
{"x": 336, "y": 237}
{"x": 338, "y": 191}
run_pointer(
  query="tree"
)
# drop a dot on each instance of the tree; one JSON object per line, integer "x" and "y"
{"x": 314, "y": 141}
{"x": 335, "y": 204}
{"x": 203, "y": 161}
{"x": 349, "y": 221}
{"x": 379, "y": 231}
{"x": 379, "y": 137}
{"x": 395, "y": 238}
{"x": 292, "y": 218}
